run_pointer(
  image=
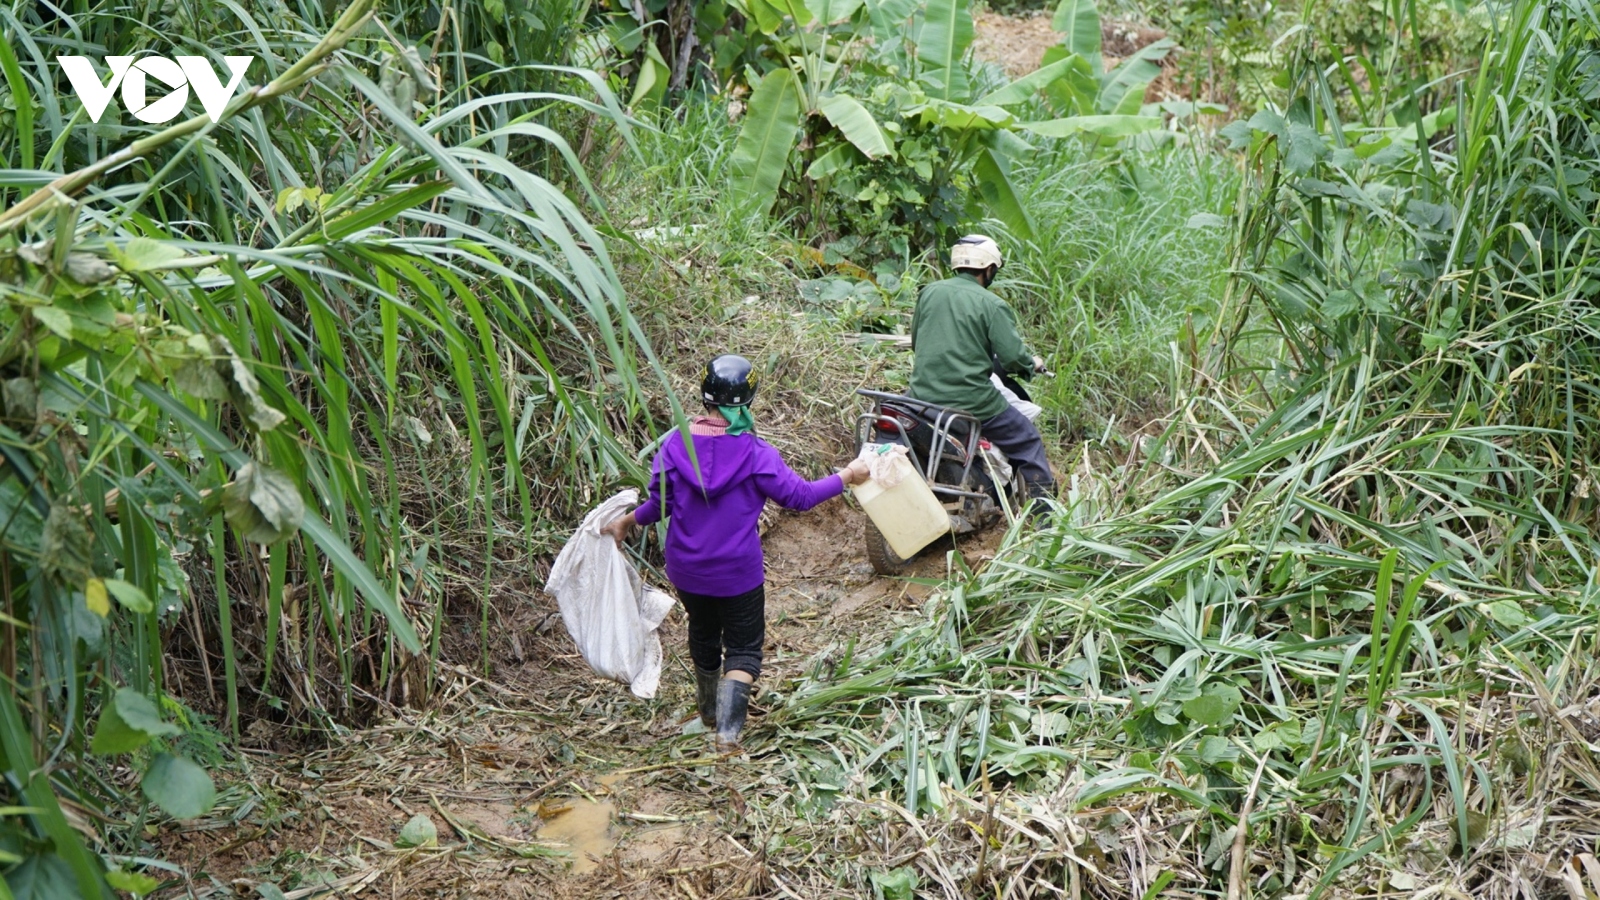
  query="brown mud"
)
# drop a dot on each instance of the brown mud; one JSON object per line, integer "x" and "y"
{"x": 541, "y": 779}
{"x": 1017, "y": 43}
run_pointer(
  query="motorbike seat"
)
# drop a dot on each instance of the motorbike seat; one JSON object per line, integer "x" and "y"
{"x": 913, "y": 405}
{"x": 959, "y": 424}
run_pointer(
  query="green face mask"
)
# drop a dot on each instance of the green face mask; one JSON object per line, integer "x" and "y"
{"x": 739, "y": 419}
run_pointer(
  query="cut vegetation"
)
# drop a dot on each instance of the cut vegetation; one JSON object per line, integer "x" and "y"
{"x": 298, "y": 404}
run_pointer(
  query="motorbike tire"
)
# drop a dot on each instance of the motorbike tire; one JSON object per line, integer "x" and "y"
{"x": 879, "y": 555}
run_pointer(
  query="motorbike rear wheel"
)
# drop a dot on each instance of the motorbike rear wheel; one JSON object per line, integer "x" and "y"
{"x": 879, "y": 555}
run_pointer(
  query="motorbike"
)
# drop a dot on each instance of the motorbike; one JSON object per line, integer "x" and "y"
{"x": 971, "y": 478}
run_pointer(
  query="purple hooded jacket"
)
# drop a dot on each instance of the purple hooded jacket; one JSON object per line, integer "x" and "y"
{"x": 713, "y": 546}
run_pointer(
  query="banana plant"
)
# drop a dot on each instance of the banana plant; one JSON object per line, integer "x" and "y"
{"x": 797, "y": 91}
{"x": 1090, "y": 99}
{"x": 921, "y": 60}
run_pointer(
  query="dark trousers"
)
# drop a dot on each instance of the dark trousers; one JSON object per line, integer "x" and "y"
{"x": 726, "y": 633}
{"x": 1020, "y": 441}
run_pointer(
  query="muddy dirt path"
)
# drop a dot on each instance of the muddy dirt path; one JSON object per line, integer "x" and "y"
{"x": 543, "y": 780}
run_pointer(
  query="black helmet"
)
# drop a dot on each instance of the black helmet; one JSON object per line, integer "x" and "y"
{"x": 730, "y": 381}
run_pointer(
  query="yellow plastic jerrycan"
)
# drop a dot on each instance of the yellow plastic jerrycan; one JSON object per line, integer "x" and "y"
{"x": 899, "y": 501}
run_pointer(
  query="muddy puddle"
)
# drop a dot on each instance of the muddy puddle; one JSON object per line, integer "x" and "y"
{"x": 585, "y": 827}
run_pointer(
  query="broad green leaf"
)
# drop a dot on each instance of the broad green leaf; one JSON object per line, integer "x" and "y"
{"x": 838, "y": 159}
{"x": 651, "y": 85}
{"x": 946, "y": 33}
{"x": 794, "y": 9}
{"x": 960, "y": 117}
{"x": 1007, "y": 143}
{"x": 826, "y": 12}
{"x": 1214, "y": 750}
{"x": 91, "y": 312}
{"x": 1373, "y": 296}
{"x": 1103, "y": 126}
{"x": 1023, "y": 89}
{"x": 144, "y": 254}
{"x": 1305, "y": 147}
{"x": 1132, "y": 75}
{"x": 889, "y": 19}
{"x": 135, "y": 883}
{"x": 1270, "y": 122}
{"x": 418, "y": 832}
{"x": 896, "y": 884}
{"x": 1215, "y": 706}
{"x": 42, "y": 876}
{"x": 57, "y": 320}
{"x": 766, "y": 16}
{"x": 1079, "y": 24}
{"x": 1284, "y": 735}
{"x": 1131, "y": 104}
{"x": 263, "y": 504}
{"x": 994, "y": 184}
{"x": 1508, "y": 613}
{"x": 771, "y": 129}
{"x": 1074, "y": 92}
{"x": 128, "y": 722}
{"x": 857, "y": 125}
{"x": 178, "y": 786}
{"x": 112, "y": 735}
{"x": 1185, "y": 109}
{"x": 1340, "y": 303}
{"x": 1433, "y": 122}
{"x": 131, "y": 597}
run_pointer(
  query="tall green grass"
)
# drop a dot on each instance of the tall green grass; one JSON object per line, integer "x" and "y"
{"x": 1128, "y": 253}
{"x": 1130, "y": 247}
{"x": 1319, "y": 637}
{"x": 256, "y": 374}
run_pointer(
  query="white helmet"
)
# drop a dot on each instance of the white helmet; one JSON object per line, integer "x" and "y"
{"x": 975, "y": 251}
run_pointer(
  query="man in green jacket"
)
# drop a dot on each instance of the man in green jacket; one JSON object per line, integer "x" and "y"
{"x": 960, "y": 332}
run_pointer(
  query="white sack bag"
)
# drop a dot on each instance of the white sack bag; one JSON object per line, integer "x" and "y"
{"x": 1026, "y": 407}
{"x": 610, "y": 612}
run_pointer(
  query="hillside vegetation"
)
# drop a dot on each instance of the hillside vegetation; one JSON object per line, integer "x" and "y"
{"x": 298, "y": 403}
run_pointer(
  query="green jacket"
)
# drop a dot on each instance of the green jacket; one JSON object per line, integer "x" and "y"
{"x": 956, "y": 328}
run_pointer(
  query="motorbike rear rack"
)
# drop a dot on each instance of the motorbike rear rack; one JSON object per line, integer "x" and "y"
{"x": 944, "y": 419}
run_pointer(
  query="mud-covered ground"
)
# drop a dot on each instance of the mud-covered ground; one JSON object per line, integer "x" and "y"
{"x": 1018, "y": 43}
{"x": 542, "y": 779}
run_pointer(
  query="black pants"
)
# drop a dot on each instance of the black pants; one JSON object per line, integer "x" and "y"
{"x": 726, "y": 633}
{"x": 1020, "y": 441}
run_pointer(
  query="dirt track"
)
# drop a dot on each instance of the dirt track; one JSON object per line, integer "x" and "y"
{"x": 544, "y": 780}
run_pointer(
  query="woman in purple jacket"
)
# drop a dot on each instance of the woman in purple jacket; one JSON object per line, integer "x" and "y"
{"x": 713, "y": 547}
